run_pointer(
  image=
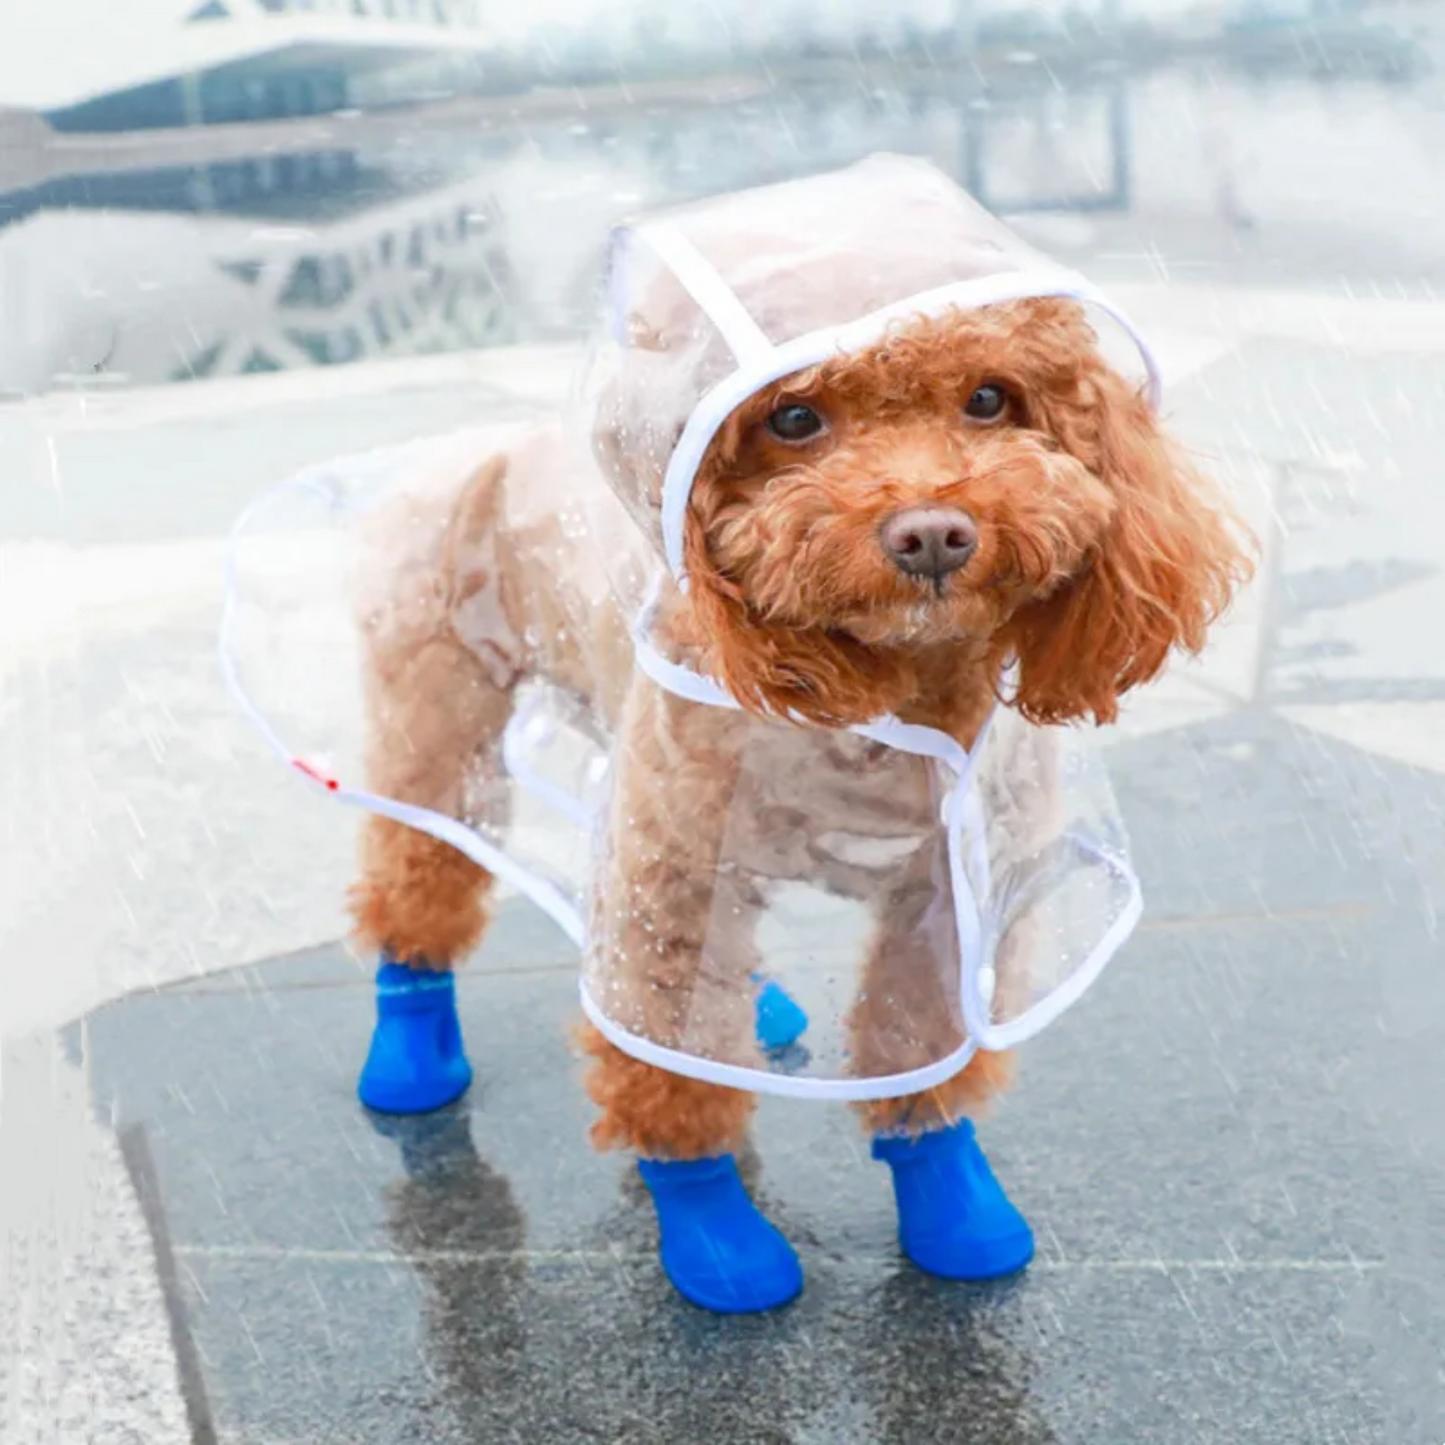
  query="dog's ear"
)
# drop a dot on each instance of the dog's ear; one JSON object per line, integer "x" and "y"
{"x": 1166, "y": 567}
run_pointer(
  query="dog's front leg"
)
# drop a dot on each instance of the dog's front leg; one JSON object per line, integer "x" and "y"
{"x": 671, "y": 963}
{"x": 954, "y": 1219}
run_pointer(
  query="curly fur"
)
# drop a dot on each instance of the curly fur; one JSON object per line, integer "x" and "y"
{"x": 660, "y": 1115}
{"x": 1101, "y": 551}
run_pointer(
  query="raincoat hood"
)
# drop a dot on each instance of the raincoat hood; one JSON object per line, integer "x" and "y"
{"x": 709, "y": 303}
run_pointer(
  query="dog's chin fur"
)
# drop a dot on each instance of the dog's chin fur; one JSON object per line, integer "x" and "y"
{"x": 1100, "y": 548}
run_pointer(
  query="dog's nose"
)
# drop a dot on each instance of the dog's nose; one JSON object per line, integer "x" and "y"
{"x": 929, "y": 541}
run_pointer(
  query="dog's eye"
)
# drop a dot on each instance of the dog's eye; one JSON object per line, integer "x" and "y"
{"x": 795, "y": 423}
{"x": 989, "y": 403}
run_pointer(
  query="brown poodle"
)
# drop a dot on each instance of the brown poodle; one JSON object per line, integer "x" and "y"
{"x": 891, "y": 532}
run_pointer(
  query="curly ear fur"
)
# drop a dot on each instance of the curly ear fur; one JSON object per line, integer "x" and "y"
{"x": 1166, "y": 567}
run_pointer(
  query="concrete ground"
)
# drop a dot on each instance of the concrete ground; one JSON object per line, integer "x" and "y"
{"x": 1231, "y": 1150}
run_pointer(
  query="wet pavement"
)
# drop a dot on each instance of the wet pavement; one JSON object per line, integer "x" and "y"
{"x": 1207, "y": 1147}
{"x": 1231, "y": 1149}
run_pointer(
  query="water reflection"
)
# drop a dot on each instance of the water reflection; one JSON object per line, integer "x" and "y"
{"x": 437, "y": 231}
{"x": 970, "y": 1343}
{"x": 870, "y": 1354}
{"x": 456, "y": 1219}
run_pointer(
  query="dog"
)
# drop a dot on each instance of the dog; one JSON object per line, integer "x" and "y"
{"x": 973, "y": 510}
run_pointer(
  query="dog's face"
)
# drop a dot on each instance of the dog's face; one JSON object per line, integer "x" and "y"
{"x": 982, "y": 482}
{"x": 912, "y": 496}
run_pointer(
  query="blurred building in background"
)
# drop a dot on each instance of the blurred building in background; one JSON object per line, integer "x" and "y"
{"x": 211, "y": 187}
{"x": 99, "y": 65}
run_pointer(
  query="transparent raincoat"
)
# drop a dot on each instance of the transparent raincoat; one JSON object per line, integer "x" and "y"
{"x": 474, "y": 635}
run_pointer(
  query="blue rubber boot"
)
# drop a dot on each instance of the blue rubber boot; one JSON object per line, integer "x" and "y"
{"x": 954, "y": 1219}
{"x": 779, "y": 1021}
{"x": 717, "y": 1249}
{"x": 416, "y": 1062}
